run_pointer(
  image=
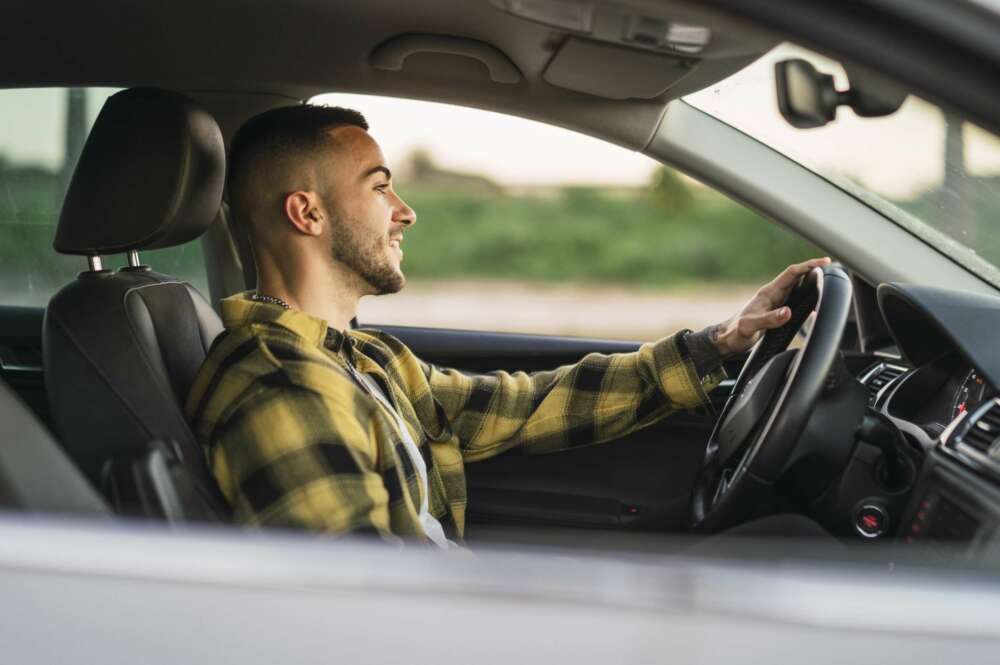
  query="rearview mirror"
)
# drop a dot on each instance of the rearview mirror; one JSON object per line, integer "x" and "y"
{"x": 808, "y": 98}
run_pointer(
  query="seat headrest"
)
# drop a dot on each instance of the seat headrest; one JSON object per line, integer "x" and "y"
{"x": 150, "y": 175}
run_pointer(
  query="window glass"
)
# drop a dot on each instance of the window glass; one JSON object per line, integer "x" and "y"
{"x": 42, "y": 132}
{"x": 526, "y": 227}
{"x": 926, "y": 169}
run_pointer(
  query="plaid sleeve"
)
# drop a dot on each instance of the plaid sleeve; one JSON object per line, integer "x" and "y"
{"x": 600, "y": 398}
{"x": 290, "y": 456}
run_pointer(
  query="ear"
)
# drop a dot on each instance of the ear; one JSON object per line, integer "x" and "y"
{"x": 304, "y": 211}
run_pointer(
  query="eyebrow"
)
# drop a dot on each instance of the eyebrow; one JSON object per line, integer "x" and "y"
{"x": 377, "y": 169}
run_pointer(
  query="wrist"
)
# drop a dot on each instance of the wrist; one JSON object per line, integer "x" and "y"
{"x": 721, "y": 338}
{"x": 704, "y": 349}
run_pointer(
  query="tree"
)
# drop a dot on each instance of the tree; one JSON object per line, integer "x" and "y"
{"x": 952, "y": 195}
{"x": 76, "y": 135}
{"x": 421, "y": 164}
{"x": 669, "y": 192}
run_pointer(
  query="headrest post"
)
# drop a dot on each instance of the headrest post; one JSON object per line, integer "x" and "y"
{"x": 133, "y": 258}
{"x": 95, "y": 263}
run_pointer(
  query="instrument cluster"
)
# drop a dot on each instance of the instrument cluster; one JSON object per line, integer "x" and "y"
{"x": 935, "y": 394}
{"x": 971, "y": 392}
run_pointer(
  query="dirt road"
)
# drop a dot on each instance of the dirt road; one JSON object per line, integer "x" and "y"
{"x": 612, "y": 312}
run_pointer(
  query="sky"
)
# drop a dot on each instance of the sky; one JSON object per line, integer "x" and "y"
{"x": 32, "y": 123}
{"x": 896, "y": 156}
{"x": 510, "y": 150}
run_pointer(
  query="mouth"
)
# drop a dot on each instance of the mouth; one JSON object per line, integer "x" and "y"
{"x": 395, "y": 244}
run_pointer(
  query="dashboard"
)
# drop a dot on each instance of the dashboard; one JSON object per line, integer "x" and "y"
{"x": 937, "y": 393}
{"x": 941, "y": 392}
{"x": 971, "y": 393}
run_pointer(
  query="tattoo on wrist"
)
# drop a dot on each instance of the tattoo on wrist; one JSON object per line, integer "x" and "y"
{"x": 704, "y": 349}
{"x": 714, "y": 333}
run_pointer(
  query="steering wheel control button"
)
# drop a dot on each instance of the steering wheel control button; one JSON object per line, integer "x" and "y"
{"x": 871, "y": 520}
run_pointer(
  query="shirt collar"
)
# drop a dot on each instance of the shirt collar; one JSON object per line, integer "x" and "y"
{"x": 336, "y": 341}
{"x": 239, "y": 310}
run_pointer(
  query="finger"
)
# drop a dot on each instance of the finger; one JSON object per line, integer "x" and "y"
{"x": 790, "y": 275}
{"x": 753, "y": 323}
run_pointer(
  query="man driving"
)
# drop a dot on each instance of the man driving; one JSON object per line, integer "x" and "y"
{"x": 311, "y": 424}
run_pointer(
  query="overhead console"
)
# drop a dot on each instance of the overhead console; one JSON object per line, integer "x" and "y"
{"x": 614, "y": 23}
{"x": 628, "y": 50}
{"x": 653, "y": 26}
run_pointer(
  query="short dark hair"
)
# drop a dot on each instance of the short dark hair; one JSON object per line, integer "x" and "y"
{"x": 279, "y": 132}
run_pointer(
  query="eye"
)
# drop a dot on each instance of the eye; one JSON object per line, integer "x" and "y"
{"x": 381, "y": 188}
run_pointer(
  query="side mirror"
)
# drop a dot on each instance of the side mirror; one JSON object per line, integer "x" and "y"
{"x": 808, "y": 98}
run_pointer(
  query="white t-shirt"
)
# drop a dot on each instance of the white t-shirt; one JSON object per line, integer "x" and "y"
{"x": 432, "y": 527}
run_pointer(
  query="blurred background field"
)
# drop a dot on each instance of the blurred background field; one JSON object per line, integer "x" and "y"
{"x": 624, "y": 262}
{"x": 500, "y": 244}
{"x": 522, "y": 226}
{"x": 660, "y": 236}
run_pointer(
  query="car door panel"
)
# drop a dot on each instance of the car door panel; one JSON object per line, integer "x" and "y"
{"x": 21, "y": 355}
{"x": 475, "y": 351}
{"x": 640, "y": 482}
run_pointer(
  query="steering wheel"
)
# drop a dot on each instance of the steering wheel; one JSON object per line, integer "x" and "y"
{"x": 773, "y": 398}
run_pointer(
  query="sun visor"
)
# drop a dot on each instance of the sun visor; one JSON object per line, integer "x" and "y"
{"x": 614, "y": 72}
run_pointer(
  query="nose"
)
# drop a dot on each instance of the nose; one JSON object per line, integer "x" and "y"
{"x": 403, "y": 214}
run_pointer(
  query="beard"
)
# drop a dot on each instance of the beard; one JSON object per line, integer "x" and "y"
{"x": 366, "y": 255}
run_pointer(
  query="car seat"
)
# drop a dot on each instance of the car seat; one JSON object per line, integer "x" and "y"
{"x": 121, "y": 348}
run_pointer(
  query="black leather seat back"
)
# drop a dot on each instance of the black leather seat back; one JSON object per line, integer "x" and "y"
{"x": 176, "y": 327}
{"x": 121, "y": 348}
{"x": 121, "y": 351}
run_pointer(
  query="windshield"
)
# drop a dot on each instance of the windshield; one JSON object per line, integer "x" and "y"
{"x": 925, "y": 169}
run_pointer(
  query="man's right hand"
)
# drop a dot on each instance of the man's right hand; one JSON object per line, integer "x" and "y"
{"x": 763, "y": 312}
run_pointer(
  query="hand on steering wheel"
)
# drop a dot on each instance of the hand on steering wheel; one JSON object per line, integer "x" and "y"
{"x": 774, "y": 395}
{"x": 765, "y": 310}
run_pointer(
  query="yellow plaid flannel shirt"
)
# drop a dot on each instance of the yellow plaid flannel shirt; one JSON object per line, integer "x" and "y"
{"x": 294, "y": 441}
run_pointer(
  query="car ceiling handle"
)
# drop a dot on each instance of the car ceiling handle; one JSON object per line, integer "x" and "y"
{"x": 391, "y": 54}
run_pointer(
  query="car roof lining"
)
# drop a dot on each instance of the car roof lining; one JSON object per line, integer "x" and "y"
{"x": 299, "y": 48}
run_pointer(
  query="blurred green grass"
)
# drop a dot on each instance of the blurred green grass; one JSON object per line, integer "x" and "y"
{"x": 593, "y": 235}
{"x": 662, "y": 236}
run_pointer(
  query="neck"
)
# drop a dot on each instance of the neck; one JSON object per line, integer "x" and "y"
{"x": 336, "y": 306}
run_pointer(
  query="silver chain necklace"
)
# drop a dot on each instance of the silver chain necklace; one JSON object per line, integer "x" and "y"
{"x": 271, "y": 300}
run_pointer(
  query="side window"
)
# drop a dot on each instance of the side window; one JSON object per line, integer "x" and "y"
{"x": 42, "y": 132}
{"x": 526, "y": 227}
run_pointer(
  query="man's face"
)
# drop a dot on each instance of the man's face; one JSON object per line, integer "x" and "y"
{"x": 367, "y": 217}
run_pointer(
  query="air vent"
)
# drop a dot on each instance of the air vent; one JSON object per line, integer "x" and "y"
{"x": 983, "y": 428}
{"x": 878, "y": 377}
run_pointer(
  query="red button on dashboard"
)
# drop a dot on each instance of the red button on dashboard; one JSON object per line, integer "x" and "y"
{"x": 871, "y": 520}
